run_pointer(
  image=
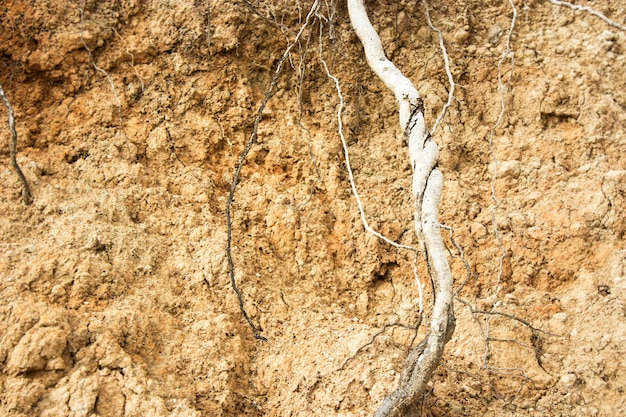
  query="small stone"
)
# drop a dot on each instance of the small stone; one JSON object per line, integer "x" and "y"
{"x": 510, "y": 298}
{"x": 478, "y": 230}
{"x": 568, "y": 380}
{"x": 36, "y": 348}
{"x": 535, "y": 162}
{"x": 58, "y": 291}
{"x": 533, "y": 196}
{"x": 362, "y": 303}
{"x": 406, "y": 306}
{"x": 461, "y": 36}
{"x": 56, "y": 364}
{"x": 511, "y": 169}
{"x": 494, "y": 34}
{"x": 535, "y": 233}
{"x": 560, "y": 316}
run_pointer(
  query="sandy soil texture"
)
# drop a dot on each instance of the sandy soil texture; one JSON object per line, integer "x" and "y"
{"x": 132, "y": 116}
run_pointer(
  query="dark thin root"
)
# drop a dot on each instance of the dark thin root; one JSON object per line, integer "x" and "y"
{"x": 508, "y": 372}
{"x": 378, "y": 333}
{"x": 515, "y": 342}
{"x": 417, "y": 326}
{"x": 26, "y": 194}
{"x": 515, "y": 373}
{"x": 478, "y": 378}
{"x": 301, "y": 71}
{"x": 273, "y": 21}
{"x": 300, "y": 111}
{"x": 468, "y": 268}
{"x": 242, "y": 158}
{"x": 507, "y": 315}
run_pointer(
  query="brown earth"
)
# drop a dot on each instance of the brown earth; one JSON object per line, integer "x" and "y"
{"x": 114, "y": 283}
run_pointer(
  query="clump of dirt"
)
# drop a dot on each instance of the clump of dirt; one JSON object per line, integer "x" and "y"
{"x": 131, "y": 119}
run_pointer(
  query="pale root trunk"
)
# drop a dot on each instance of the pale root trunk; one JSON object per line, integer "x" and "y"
{"x": 427, "y": 186}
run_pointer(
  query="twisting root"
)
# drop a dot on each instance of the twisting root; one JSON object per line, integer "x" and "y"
{"x": 242, "y": 158}
{"x": 93, "y": 62}
{"x": 511, "y": 371}
{"x": 26, "y": 194}
{"x": 346, "y": 156}
{"x": 589, "y": 10}
{"x": 461, "y": 252}
{"x": 132, "y": 58}
{"x": 106, "y": 74}
{"x": 301, "y": 73}
{"x": 446, "y": 61}
{"x": 355, "y": 192}
{"x": 501, "y": 88}
{"x": 427, "y": 187}
{"x": 378, "y": 333}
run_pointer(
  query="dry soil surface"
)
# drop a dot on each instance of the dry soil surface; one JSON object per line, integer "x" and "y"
{"x": 132, "y": 116}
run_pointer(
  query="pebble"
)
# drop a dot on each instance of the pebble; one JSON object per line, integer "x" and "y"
{"x": 509, "y": 169}
{"x": 568, "y": 380}
{"x": 535, "y": 233}
{"x": 58, "y": 291}
{"x": 461, "y": 36}
{"x": 535, "y": 162}
{"x": 494, "y": 33}
{"x": 478, "y": 230}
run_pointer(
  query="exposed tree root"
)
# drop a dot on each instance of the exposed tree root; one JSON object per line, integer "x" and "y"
{"x": 427, "y": 186}
{"x": 26, "y": 194}
{"x": 242, "y": 158}
{"x": 589, "y": 10}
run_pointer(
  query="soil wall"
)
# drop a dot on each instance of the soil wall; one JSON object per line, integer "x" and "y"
{"x": 131, "y": 118}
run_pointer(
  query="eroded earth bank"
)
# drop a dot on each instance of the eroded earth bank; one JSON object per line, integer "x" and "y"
{"x": 131, "y": 118}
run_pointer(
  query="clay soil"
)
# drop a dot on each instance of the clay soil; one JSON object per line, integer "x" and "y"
{"x": 132, "y": 116}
